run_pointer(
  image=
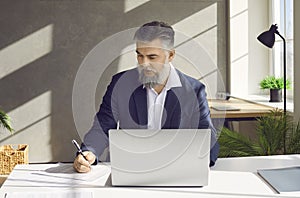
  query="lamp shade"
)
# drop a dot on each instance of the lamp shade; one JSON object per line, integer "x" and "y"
{"x": 268, "y": 37}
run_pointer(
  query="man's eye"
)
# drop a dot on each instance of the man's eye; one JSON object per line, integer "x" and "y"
{"x": 152, "y": 57}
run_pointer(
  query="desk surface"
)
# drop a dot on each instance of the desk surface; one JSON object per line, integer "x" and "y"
{"x": 247, "y": 109}
{"x": 230, "y": 177}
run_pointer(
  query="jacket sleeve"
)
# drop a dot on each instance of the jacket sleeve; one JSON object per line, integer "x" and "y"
{"x": 203, "y": 114}
{"x": 96, "y": 139}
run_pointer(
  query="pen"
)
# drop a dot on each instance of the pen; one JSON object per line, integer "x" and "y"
{"x": 78, "y": 149}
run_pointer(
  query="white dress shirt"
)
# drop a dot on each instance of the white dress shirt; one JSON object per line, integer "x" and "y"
{"x": 156, "y": 101}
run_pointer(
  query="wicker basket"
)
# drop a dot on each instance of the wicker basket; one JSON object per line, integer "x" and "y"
{"x": 11, "y": 155}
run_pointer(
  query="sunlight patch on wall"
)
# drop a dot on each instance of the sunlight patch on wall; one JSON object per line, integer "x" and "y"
{"x": 239, "y": 35}
{"x": 31, "y": 112}
{"x": 37, "y": 136}
{"x": 210, "y": 42}
{"x": 26, "y": 50}
{"x": 32, "y": 123}
{"x": 200, "y": 28}
{"x": 202, "y": 32}
{"x": 132, "y": 4}
{"x": 127, "y": 58}
{"x": 239, "y": 47}
{"x": 237, "y": 6}
{"x": 199, "y": 22}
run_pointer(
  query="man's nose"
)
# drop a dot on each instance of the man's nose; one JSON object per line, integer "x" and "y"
{"x": 145, "y": 62}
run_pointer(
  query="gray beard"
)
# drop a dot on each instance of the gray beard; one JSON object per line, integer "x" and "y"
{"x": 159, "y": 78}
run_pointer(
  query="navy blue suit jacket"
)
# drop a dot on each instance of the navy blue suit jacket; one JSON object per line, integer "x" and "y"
{"x": 125, "y": 101}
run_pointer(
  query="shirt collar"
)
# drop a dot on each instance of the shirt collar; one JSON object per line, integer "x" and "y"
{"x": 173, "y": 80}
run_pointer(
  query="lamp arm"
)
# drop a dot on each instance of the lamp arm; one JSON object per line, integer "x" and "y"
{"x": 280, "y": 35}
{"x": 284, "y": 88}
{"x": 284, "y": 71}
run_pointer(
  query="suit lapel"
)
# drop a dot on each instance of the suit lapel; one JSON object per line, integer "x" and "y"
{"x": 140, "y": 112}
{"x": 172, "y": 113}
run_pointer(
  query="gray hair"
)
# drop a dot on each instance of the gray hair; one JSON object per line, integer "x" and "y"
{"x": 156, "y": 30}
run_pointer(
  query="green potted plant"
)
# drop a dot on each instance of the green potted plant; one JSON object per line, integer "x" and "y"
{"x": 5, "y": 121}
{"x": 275, "y": 85}
{"x": 276, "y": 134}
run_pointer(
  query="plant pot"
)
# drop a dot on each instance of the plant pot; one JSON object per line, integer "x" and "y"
{"x": 275, "y": 95}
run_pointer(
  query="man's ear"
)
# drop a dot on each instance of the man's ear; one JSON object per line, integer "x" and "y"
{"x": 171, "y": 55}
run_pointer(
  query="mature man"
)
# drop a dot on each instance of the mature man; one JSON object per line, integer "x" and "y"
{"x": 154, "y": 95}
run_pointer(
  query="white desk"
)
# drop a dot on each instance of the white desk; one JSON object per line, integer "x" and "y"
{"x": 231, "y": 177}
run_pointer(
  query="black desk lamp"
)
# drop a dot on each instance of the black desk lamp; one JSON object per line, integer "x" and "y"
{"x": 268, "y": 39}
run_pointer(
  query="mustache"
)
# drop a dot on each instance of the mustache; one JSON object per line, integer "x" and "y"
{"x": 147, "y": 68}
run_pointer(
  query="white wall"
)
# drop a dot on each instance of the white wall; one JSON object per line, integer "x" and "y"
{"x": 249, "y": 58}
{"x": 296, "y": 59}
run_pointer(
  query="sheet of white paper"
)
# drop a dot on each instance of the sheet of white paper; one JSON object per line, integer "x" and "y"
{"x": 56, "y": 175}
{"x": 66, "y": 171}
{"x": 69, "y": 194}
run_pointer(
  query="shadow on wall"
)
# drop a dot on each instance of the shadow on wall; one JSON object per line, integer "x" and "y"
{"x": 42, "y": 44}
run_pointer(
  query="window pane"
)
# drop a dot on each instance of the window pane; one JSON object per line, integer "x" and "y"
{"x": 276, "y": 12}
{"x": 281, "y": 23}
{"x": 289, "y": 19}
{"x": 277, "y": 58}
{"x": 283, "y": 16}
{"x": 290, "y": 60}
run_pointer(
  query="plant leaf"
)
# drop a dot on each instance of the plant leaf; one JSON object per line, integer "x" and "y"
{"x": 234, "y": 144}
{"x": 5, "y": 121}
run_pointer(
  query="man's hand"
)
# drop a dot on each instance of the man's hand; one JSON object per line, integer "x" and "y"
{"x": 82, "y": 165}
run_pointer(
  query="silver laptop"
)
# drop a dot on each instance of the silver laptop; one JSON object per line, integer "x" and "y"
{"x": 167, "y": 157}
